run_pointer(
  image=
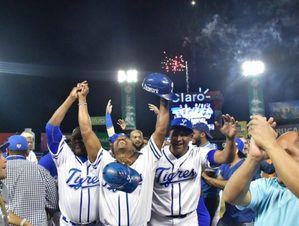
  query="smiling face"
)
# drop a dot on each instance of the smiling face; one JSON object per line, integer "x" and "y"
{"x": 179, "y": 140}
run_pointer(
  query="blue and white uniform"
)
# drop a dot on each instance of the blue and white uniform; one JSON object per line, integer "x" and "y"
{"x": 177, "y": 186}
{"x": 118, "y": 208}
{"x": 78, "y": 181}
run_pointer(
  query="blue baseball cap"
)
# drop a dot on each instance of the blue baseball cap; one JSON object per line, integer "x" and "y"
{"x": 115, "y": 136}
{"x": 181, "y": 122}
{"x": 202, "y": 127}
{"x": 17, "y": 143}
{"x": 240, "y": 145}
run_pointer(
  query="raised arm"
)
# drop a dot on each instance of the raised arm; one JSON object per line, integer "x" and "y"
{"x": 229, "y": 130}
{"x": 236, "y": 190}
{"x": 109, "y": 123}
{"x": 91, "y": 141}
{"x": 283, "y": 151}
{"x": 53, "y": 132}
{"x": 161, "y": 123}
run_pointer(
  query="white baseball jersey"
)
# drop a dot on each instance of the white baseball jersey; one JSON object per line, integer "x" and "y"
{"x": 78, "y": 186}
{"x": 177, "y": 181}
{"x": 123, "y": 209}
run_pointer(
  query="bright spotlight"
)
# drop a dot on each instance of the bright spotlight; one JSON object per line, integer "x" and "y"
{"x": 132, "y": 76}
{"x": 253, "y": 68}
{"x": 193, "y": 2}
{"x": 129, "y": 76}
{"x": 121, "y": 76}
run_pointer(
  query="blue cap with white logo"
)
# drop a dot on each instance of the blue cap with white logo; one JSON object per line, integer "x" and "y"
{"x": 17, "y": 143}
{"x": 160, "y": 85}
{"x": 181, "y": 122}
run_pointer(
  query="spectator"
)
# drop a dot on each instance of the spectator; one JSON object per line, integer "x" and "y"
{"x": 30, "y": 155}
{"x": 31, "y": 188}
{"x": 210, "y": 194}
{"x": 274, "y": 200}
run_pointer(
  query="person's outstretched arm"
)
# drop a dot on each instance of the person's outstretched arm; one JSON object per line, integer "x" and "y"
{"x": 53, "y": 132}
{"x": 229, "y": 130}
{"x": 91, "y": 141}
{"x": 283, "y": 151}
{"x": 236, "y": 190}
{"x": 109, "y": 123}
{"x": 161, "y": 123}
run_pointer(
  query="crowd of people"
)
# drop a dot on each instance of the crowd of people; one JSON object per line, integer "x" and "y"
{"x": 176, "y": 177}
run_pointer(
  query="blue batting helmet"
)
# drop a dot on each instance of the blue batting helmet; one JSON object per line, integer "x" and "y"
{"x": 160, "y": 85}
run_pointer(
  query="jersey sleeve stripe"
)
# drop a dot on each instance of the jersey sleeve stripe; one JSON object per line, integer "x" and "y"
{"x": 154, "y": 150}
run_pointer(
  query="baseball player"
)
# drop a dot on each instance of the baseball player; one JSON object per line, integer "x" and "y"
{"x": 78, "y": 180}
{"x": 177, "y": 180}
{"x": 121, "y": 207}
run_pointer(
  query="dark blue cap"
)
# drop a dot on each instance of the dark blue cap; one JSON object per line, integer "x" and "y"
{"x": 202, "y": 127}
{"x": 181, "y": 122}
{"x": 17, "y": 143}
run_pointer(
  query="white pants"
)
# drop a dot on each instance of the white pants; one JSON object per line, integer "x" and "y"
{"x": 189, "y": 220}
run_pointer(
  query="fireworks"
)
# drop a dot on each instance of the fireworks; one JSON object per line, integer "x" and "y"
{"x": 175, "y": 64}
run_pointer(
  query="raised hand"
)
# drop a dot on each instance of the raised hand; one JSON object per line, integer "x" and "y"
{"x": 229, "y": 126}
{"x": 122, "y": 123}
{"x": 153, "y": 108}
{"x": 83, "y": 89}
{"x": 74, "y": 93}
{"x": 255, "y": 152}
{"x": 262, "y": 131}
{"x": 109, "y": 107}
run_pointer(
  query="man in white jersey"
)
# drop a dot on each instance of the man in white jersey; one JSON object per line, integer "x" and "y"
{"x": 177, "y": 181}
{"x": 78, "y": 181}
{"x": 117, "y": 207}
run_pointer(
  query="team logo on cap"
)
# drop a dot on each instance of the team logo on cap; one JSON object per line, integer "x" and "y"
{"x": 183, "y": 122}
{"x": 19, "y": 146}
{"x": 150, "y": 89}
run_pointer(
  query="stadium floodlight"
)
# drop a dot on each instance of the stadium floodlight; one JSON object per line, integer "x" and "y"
{"x": 129, "y": 76}
{"x": 121, "y": 76}
{"x": 253, "y": 68}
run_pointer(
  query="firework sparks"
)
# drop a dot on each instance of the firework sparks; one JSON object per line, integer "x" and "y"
{"x": 173, "y": 64}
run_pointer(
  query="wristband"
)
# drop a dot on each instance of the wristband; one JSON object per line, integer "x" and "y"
{"x": 108, "y": 120}
{"x": 82, "y": 103}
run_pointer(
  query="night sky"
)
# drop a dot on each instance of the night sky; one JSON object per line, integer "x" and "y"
{"x": 46, "y": 47}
